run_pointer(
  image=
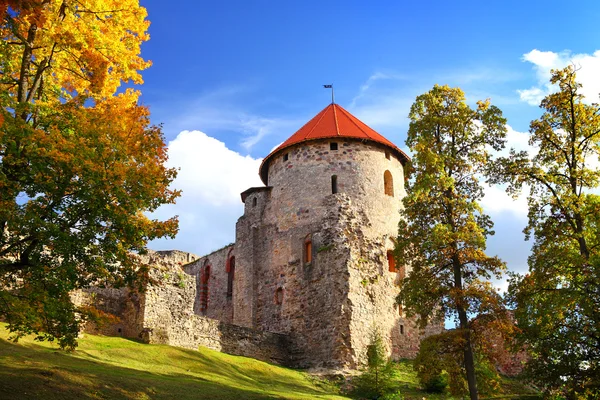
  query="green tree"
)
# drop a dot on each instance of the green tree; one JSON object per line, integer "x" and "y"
{"x": 377, "y": 379}
{"x": 79, "y": 164}
{"x": 557, "y": 304}
{"x": 442, "y": 234}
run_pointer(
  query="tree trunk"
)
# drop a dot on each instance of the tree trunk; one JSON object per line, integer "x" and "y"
{"x": 464, "y": 326}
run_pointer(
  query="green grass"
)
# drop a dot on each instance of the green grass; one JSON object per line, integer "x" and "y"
{"x": 116, "y": 368}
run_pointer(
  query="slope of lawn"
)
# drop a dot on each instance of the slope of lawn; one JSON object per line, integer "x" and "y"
{"x": 116, "y": 368}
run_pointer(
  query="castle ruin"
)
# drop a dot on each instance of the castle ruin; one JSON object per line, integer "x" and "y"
{"x": 311, "y": 272}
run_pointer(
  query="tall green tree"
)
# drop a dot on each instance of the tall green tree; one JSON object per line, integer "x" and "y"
{"x": 557, "y": 304}
{"x": 442, "y": 234}
{"x": 79, "y": 164}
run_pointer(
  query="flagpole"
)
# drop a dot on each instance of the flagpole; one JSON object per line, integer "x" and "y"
{"x": 332, "y": 95}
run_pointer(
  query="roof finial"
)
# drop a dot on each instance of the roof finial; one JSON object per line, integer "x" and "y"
{"x": 330, "y": 87}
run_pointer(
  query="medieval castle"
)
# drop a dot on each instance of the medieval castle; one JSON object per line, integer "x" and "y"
{"x": 311, "y": 272}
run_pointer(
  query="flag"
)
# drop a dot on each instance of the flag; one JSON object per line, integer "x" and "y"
{"x": 327, "y": 86}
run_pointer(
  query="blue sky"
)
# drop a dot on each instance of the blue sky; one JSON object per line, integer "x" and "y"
{"x": 232, "y": 79}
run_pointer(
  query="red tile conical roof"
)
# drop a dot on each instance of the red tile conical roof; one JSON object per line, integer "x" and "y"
{"x": 332, "y": 122}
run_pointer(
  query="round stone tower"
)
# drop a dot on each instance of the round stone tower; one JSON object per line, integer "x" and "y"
{"x": 313, "y": 248}
{"x": 337, "y": 153}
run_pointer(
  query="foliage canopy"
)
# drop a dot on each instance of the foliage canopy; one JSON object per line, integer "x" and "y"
{"x": 79, "y": 162}
{"x": 442, "y": 234}
{"x": 557, "y": 304}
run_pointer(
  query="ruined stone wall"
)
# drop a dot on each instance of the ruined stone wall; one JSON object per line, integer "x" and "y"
{"x": 306, "y": 299}
{"x": 373, "y": 289}
{"x": 217, "y": 303}
{"x": 129, "y": 307}
{"x": 165, "y": 314}
{"x": 125, "y": 310}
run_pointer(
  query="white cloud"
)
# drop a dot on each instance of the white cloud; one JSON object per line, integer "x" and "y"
{"x": 518, "y": 141}
{"x": 544, "y": 61}
{"x": 497, "y": 201}
{"x": 211, "y": 178}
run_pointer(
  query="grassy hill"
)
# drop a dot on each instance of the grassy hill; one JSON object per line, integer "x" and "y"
{"x": 116, "y": 368}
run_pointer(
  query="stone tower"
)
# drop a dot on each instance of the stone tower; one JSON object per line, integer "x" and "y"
{"x": 313, "y": 248}
{"x": 311, "y": 273}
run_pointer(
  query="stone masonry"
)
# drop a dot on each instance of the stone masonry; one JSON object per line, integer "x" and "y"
{"x": 310, "y": 275}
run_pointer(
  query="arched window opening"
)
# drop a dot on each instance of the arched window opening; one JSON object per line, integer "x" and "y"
{"x": 334, "y": 187}
{"x": 204, "y": 280}
{"x": 388, "y": 183}
{"x": 307, "y": 249}
{"x": 230, "y": 276}
{"x": 278, "y": 299}
{"x": 254, "y": 202}
{"x": 391, "y": 261}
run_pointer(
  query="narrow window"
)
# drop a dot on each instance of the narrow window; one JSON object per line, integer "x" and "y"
{"x": 402, "y": 329}
{"x": 279, "y": 296}
{"x": 285, "y": 157}
{"x": 388, "y": 183}
{"x": 307, "y": 249}
{"x": 334, "y": 188}
{"x": 387, "y": 155}
{"x": 230, "y": 276}
{"x": 333, "y": 146}
{"x": 391, "y": 261}
{"x": 204, "y": 289}
{"x": 254, "y": 201}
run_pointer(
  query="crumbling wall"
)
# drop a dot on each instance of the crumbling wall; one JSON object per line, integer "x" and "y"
{"x": 125, "y": 310}
{"x": 164, "y": 313}
{"x": 218, "y": 304}
{"x": 128, "y": 308}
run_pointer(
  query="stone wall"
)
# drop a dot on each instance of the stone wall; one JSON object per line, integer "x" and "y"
{"x": 218, "y": 304}
{"x": 125, "y": 308}
{"x": 164, "y": 313}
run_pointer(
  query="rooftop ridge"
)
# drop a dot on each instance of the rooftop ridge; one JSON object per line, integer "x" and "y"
{"x": 337, "y": 127}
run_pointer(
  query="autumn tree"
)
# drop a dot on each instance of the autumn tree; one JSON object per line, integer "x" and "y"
{"x": 80, "y": 164}
{"x": 442, "y": 234}
{"x": 557, "y": 304}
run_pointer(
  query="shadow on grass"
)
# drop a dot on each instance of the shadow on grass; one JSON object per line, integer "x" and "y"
{"x": 35, "y": 372}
